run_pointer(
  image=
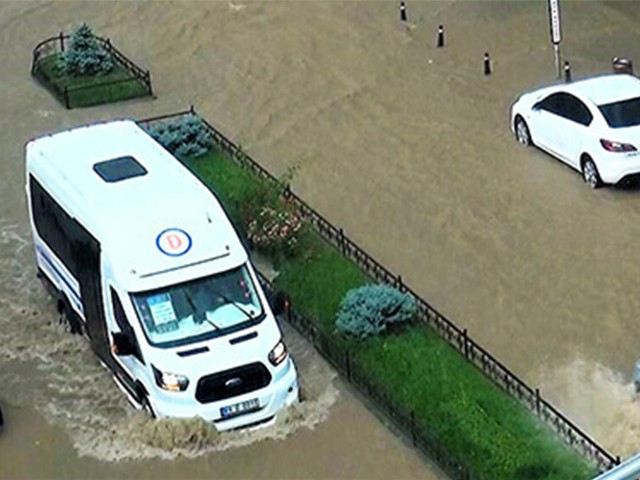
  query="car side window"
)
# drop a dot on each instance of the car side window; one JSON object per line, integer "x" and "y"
{"x": 554, "y": 103}
{"x": 567, "y": 106}
{"x": 577, "y": 111}
{"x": 123, "y": 323}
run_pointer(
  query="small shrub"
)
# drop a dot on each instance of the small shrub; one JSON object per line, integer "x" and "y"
{"x": 275, "y": 231}
{"x": 371, "y": 309}
{"x": 85, "y": 56}
{"x": 185, "y": 137}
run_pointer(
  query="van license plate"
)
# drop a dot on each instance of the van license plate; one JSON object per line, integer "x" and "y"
{"x": 239, "y": 408}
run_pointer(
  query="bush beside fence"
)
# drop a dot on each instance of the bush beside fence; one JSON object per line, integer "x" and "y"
{"x": 128, "y": 81}
{"x": 455, "y": 336}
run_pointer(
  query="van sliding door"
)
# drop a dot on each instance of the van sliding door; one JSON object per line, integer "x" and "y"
{"x": 80, "y": 252}
{"x": 87, "y": 250}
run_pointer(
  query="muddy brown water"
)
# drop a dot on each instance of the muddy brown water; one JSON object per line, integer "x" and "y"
{"x": 405, "y": 146}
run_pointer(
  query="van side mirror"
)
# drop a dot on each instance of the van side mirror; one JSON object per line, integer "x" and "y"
{"x": 122, "y": 345}
{"x": 277, "y": 301}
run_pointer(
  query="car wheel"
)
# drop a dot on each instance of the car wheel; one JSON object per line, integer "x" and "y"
{"x": 522, "y": 132}
{"x": 590, "y": 173}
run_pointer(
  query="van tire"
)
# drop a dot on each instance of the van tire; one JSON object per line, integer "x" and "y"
{"x": 68, "y": 317}
{"x": 145, "y": 405}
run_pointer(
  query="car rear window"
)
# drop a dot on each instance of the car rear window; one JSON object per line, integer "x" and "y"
{"x": 622, "y": 114}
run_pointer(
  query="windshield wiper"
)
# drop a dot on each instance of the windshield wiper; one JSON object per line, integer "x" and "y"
{"x": 235, "y": 304}
{"x": 195, "y": 311}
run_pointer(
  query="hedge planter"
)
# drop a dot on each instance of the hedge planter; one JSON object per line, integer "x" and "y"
{"x": 473, "y": 425}
{"x": 119, "y": 79}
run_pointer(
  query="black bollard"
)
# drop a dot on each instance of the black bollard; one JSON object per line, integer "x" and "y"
{"x": 567, "y": 71}
{"x": 487, "y": 64}
{"x": 440, "y": 42}
{"x": 403, "y": 12}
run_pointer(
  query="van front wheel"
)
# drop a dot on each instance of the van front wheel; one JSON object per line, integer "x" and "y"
{"x": 146, "y": 406}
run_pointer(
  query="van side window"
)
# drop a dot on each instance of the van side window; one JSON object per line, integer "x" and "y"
{"x": 123, "y": 323}
{"x": 54, "y": 226}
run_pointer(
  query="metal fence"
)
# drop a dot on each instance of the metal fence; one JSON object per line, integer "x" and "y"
{"x": 66, "y": 95}
{"x": 454, "y": 335}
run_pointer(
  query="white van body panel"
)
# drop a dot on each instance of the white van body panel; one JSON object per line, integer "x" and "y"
{"x": 127, "y": 219}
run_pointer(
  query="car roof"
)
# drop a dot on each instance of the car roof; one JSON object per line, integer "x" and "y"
{"x": 605, "y": 89}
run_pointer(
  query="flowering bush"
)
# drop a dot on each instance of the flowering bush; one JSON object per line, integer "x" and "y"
{"x": 274, "y": 231}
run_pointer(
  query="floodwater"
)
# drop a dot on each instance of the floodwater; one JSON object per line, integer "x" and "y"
{"x": 405, "y": 146}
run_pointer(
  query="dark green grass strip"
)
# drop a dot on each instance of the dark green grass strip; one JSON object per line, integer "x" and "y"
{"x": 472, "y": 419}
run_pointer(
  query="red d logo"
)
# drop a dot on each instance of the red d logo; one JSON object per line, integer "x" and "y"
{"x": 173, "y": 242}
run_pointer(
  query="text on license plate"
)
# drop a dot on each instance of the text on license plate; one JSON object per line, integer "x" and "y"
{"x": 238, "y": 408}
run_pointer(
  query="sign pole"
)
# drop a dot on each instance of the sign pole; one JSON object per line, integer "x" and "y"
{"x": 558, "y": 61}
{"x": 555, "y": 28}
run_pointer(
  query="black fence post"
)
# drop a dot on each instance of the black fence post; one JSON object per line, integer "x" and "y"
{"x": 287, "y": 308}
{"x": 67, "y": 103}
{"x": 148, "y": 82}
{"x": 414, "y": 437}
{"x": 347, "y": 365}
{"x": 192, "y": 110}
{"x": 538, "y": 401}
{"x": 341, "y": 240}
{"x": 465, "y": 337}
{"x": 61, "y": 41}
{"x": 286, "y": 194}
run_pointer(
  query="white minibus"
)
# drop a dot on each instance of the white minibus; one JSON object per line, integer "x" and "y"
{"x": 143, "y": 260}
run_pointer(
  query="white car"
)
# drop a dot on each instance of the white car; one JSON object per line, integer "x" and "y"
{"x": 593, "y": 125}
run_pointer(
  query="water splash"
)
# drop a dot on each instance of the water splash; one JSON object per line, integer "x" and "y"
{"x": 71, "y": 389}
{"x": 600, "y": 400}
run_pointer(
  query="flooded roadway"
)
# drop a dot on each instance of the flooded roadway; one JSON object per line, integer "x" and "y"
{"x": 405, "y": 146}
{"x": 65, "y": 419}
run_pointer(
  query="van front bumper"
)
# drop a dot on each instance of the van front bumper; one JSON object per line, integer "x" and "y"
{"x": 280, "y": 393}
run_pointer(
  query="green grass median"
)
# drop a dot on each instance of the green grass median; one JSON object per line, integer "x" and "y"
{"x": 478, "y": 424}
{"x": 85, "y": 91}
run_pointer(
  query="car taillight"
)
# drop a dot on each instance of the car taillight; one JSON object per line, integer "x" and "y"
{"x": 610, "y": 146}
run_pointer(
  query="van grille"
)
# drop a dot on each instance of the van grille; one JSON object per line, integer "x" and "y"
{"x": 232, "y": 383}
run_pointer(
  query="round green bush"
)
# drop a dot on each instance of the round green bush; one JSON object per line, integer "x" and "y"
{"x": 185, "y": 137}
{"x": 372, "y": 309}
{"x": 85, "y": 56}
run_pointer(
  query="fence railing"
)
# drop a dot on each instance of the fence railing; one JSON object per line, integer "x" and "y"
{"x": 58, "y": 44}
{"x": 454, "y": 335}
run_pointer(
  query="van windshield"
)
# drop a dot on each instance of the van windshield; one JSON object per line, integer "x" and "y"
{"x": 199, "y": 309}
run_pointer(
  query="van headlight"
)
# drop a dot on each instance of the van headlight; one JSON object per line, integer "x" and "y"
{"x": 170, "y": 381}
{"x": 278, "y": 354}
